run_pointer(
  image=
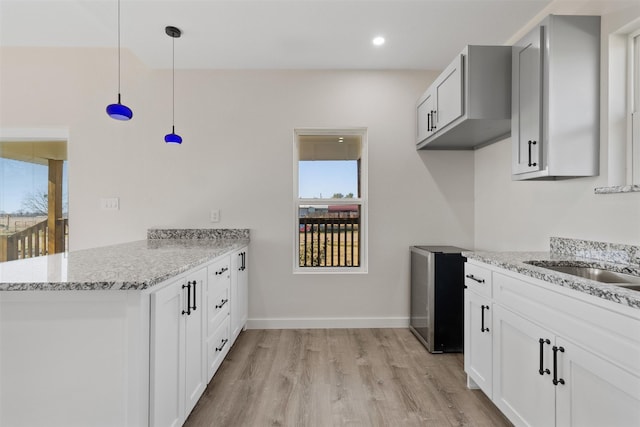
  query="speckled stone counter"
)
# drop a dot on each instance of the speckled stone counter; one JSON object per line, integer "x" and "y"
{"x": 130, "y": 266}
{"x": 614, "y": 257}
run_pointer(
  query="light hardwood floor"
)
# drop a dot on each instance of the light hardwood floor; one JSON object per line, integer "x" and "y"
{"x": 340, "y": 377}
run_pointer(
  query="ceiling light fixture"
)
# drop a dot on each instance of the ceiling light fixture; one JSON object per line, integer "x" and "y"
{"x": 173, "y": 137}
{"x": 119, "y": 111}
{"x": 378, "y": 41}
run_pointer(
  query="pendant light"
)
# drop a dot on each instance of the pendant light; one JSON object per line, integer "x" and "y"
{"x": 119, "y": 111}
{"x": 173, "y": 137}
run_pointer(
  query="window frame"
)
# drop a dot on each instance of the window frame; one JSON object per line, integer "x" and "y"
{"x": 633, "y": 109}
{"x": 362, "y": 201}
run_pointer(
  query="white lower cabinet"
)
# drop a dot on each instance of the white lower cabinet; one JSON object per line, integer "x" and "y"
{"x": 524, "y": 395}
{"x": 177, "y": 359}
{"x": 195, "y": 350}
{"x": 478, "y": 341}
{"x": 556, "y": 359}
{"x": 542, "y": 379}
{"x": 219, "y": 300}
{"x": 192, "y": 326}
{"x": 595, "y": 392}
{"x": 239, "y": 291}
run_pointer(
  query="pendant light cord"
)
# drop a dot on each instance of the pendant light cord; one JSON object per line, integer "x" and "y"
{"x": 173, "y": 82}
{"x": 118, "y": 51}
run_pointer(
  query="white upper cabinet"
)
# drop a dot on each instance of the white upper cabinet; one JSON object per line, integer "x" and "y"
{"x": 527, "y": 129}
{"x": 469, "y": 104}
{"x": 426, "y": 111}
{"x": 556, "y": 99}
{"x": 448, "y": 94}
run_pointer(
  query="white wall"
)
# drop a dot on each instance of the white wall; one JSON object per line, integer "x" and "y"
{"x": 522, "y": 215}
{"x": 237, "y": 156}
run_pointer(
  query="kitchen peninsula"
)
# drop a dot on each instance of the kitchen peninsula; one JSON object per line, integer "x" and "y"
{"x": 125, "y": 335}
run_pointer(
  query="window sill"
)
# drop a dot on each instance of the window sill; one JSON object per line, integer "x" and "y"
{"x": 330, "y": 270}
{"x": 617, "y": 189}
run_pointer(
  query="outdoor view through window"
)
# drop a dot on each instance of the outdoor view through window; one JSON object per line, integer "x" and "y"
{"x": 33, "y": 199}
{"x": 329, "y": 200}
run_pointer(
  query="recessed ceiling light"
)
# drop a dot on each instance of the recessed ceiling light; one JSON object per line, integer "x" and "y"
{"x": 378, "y": 41}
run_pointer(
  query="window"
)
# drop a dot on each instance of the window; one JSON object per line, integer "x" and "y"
{"x": 622, "y": 85}
{"x": 330, "y": 200}
{"x": 634, "y": 62}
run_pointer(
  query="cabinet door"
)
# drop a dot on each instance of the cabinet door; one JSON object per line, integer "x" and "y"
{"x": 236, "y": 266}
{"x": 167, "y": 356}
{"x": 243, "y": 289}
{"x": 426, "y": 116}
{"x": 526, "y": 119}
{"x": 449, "y": 92}
{"x": 524, "y": 395}
{"x": 195, "y": 344}
{"x": 595, "y": 391}
{"x": 239, "y": 292}
{"x": 478, "y": 341}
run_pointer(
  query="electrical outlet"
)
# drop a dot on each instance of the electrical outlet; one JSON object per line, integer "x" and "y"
{"x": 110, "y": 204}
{"x": 215, "y": 215}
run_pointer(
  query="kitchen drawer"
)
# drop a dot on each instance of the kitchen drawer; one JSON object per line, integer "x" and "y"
{"x": 218, "y": 306}
{"x": 477, "y": 279}
{"x": 218, "y": 346}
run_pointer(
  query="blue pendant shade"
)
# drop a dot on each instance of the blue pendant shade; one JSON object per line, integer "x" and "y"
{"x": 173, "y": 137}
{"x": 119, "y": 111}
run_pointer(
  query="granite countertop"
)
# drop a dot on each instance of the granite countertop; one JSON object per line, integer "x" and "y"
{"x": 515, "y": 261}
{"x": 129, "y": 266}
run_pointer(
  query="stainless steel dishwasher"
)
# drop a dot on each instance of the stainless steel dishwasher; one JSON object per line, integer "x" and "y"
{"x": 437, "y": 297}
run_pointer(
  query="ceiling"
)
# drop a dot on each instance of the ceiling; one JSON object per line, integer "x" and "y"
{"x": 274, "y": 34}
{"x": 38, "y": 152}
{"x": 329, "y": 147}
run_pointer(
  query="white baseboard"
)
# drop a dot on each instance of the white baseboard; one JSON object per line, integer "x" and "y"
{"x": 329, "y": 323}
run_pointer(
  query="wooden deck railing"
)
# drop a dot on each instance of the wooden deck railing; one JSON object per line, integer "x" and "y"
{"x": 30, "y": 242}
{"x": 329, "y": 242}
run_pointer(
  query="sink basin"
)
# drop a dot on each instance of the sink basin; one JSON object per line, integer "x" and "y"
{"x": 599, "y": 275}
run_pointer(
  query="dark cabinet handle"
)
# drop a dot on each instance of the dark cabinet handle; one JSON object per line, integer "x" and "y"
{"x": 224, "y": 342}
{"x": 222, "y": 270}
{"x": 482, "y": 328}
{"x": 222, "y": 303}
{"x": 472, "y": 277}
{"x": 194, "y": 295}
{"x": 241, "y": 255}
{"x": 530, "y": 143}
{"x": 433, "y": 120}
{"x": 542, "y": 342}
{"x": 429, "y": 122}
{"x": 556, "y": 380}
{"x": 244, "y": 261}
{"x": 188, "y": 311}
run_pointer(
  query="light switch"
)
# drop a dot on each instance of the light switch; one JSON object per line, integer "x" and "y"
{"x": 110, "y": 204}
